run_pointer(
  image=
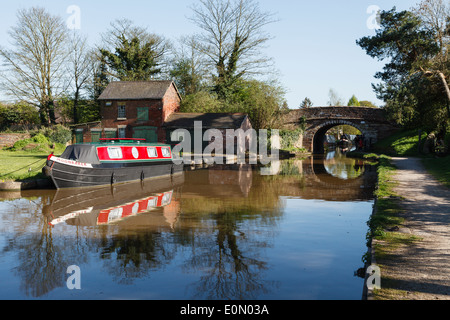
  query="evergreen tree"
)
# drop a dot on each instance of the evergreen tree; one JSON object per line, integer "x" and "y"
{"x": 353, "y": 102}
{"x": 414, "y": 84}
{"x": 132, "y": 61}
{"x": 306, "y": 103}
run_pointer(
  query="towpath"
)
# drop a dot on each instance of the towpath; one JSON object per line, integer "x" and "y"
{"x": 421, "y": 269}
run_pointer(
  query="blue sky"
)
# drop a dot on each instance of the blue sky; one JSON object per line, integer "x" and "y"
{"x": 313, "y": 46}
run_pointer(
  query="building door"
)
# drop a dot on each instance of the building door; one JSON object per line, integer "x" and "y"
{"x": 79, "y": 136}
{"x": 148, "y": 133}
{"x": 110, "y": 134}
{"x": 95, "y": 136}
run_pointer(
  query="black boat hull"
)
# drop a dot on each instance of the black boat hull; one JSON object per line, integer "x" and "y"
{"x": 69, "y": 176}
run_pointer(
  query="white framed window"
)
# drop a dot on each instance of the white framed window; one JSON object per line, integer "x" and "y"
{"x": 121, "y": 111}
{"x": 115, "y": 153}
{"x": 165, "y": 152}
{"x": 151, "y": 151}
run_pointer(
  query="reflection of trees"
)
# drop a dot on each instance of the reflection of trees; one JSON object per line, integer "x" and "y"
{"x": 43, "y": 261}
{"x": 342, "y": 167}
{"x": 229, "y": 238}
{"x": 230, "y": 260}
{"x": 132, "y": 256}
{"x": 42, "y": 257}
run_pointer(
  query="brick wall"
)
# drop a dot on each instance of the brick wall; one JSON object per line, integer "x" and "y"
{"x": 8, "y": 139}
{"x": 158, "y": 112}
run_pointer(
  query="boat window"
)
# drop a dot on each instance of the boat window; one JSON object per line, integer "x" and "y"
{"x": 114, "y": 153}
{"x": 115, "y": 214}
{"x": 165, "y": 152}
{"x": 151, "y": 151}
{"x": 152, "y": 203}
{"x": 167, "y": 199}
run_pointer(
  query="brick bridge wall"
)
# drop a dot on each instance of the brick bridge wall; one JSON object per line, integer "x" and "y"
{"x": 372, "y": 122}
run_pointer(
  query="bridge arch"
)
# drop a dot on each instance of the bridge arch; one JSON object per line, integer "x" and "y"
{"x": 320, "y": 132}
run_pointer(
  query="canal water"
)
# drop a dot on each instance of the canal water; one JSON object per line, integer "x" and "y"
{"x": 293, "y": 231}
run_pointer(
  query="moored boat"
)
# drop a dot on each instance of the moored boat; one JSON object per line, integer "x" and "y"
{"x": 111, "y": 161}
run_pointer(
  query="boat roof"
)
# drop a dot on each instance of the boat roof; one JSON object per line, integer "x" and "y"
{"x": 127, "y": 141}
{"x": 124, "y": 141}
{"x": 87, "y": 152}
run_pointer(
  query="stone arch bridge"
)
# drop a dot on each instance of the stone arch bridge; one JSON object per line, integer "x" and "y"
{"x": 372, "y": 122}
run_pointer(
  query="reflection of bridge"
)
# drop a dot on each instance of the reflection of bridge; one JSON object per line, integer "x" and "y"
{"x": 372, "y": 123}
{"x": 321, "y": 185}
{"x": 306, "y": 179}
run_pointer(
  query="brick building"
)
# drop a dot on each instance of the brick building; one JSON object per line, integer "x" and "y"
{"x": 138, "y": 109}
{"x": 133, "y": 109}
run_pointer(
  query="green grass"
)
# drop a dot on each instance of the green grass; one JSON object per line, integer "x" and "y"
{"x": 21, "y": 165}
{"x": 25, "y": 164}
{"x": 388, "y": 208}
{"x": 439, "y": 168}
{"x": 403, "y": 143}
{"x": 387, "y": 203}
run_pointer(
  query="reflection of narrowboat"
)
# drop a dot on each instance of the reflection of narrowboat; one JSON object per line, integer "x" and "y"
{"x": 109, "y": 162}
{"x": 118, "y": 213}
{"x": 104, "y": 205}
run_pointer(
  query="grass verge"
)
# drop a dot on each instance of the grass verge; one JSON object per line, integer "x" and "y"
{"x": 21, "y": 165}
{"x": 384, "y": 225}
{"x": 402, "y": 143}
{"x": 26, "y": 158}
{"x": 439, "y": 167}
{"x": 405, "y": 143}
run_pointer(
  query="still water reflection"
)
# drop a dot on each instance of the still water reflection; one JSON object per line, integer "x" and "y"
{"x": 223, "y": 232}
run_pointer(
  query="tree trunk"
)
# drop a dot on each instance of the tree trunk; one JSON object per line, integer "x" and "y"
{"x": 444, "y": 82}
{"x": 447, "y": 91}
{"x": 75, "y": 107}
{"x": 43, "y": 115}
{"x": 51, "y": 112}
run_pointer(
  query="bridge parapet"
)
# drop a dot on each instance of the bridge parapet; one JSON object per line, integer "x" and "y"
{"x": 370, "y": 114}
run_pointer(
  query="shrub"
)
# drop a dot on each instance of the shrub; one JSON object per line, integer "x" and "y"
{"x": 60, "y": 134}
{"x": 289, "y": 139}
{"x": 37, "y": 143}
{"x": 40, "y": 138}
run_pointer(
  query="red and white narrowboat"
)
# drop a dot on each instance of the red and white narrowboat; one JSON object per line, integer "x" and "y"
{"x": 111, "y": 161}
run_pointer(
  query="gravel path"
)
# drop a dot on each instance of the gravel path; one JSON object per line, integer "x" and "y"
{"x": 422, "y": 269}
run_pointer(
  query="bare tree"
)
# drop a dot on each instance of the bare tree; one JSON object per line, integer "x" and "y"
{"x": 81, "y": 67}
{"x": 232, "y": 39}
{"x": 35, "y": 69}
{"x": 189, "y": 69}
{"x": 334, "y": 99}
